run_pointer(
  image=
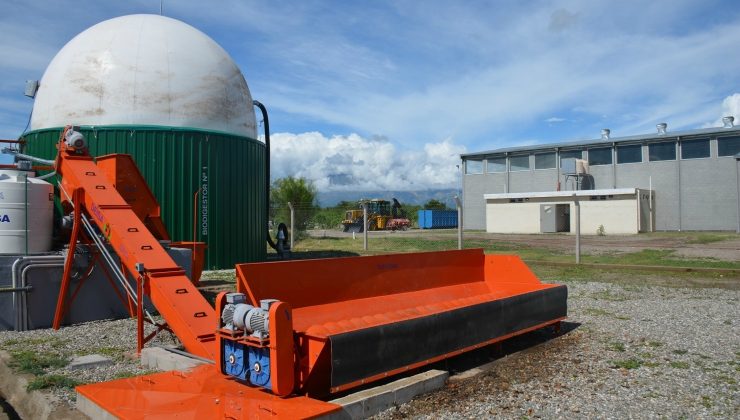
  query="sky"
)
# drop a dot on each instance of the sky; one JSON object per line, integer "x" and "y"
{"x": 373, "y": 95}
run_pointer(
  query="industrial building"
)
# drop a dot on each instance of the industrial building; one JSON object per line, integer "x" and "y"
{"x": 690, "y": 177}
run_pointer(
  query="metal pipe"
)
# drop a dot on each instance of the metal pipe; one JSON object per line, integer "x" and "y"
{"x": 677, "y": 150}
{"x": 18, "y": 296}
{"x": 737, "y": 175}
{"x": 108, "y": 258}
{"x": 614, "y": 165}
{"x": 122, "y": 280}
{"x": 650, "y": 202}
{"x": 364, "y": 223}
{"x": 292, "y": 223}
{"x": 186, "y": 354}
{"x": 17, "y": 154}
{"x": 24, "y": 283}
{"x": 578, "y": 229}
{"x": 266, "y": 121}
{"x": 459, "y": 223}
{"x": 15, "y": 289}
{"x": 47, "y": 176}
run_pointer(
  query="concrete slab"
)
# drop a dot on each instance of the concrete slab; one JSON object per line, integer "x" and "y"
{"x": 89, "y": 361}
{"x": 92, "y": 410}
{"x": 369, "y": 402}
{"x": 471, "y": 373}
{"x": 161, "y": 359}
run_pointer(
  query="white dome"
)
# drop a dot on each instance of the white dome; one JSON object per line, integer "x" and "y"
{"x": 144, "y": 70}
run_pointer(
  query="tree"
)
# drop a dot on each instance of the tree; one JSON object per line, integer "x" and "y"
{"x": 298, "y": 191}
{"x": 435, "y": 205}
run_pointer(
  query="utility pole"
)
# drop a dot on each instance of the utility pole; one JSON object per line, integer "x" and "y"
{"x": 364, "y": 223}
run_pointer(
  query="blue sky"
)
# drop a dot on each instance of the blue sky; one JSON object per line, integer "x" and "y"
{"x": 426, "y": 80}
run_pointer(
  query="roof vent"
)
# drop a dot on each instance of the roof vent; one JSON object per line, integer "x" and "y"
{"x": 662, "y": 127}
{"x": 605, "y": 132}
{"x": 728, "y": 122}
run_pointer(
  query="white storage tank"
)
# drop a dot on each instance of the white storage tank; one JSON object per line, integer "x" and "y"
{"x": 26, "y": 206}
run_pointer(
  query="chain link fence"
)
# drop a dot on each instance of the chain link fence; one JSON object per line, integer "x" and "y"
{"x": 345, "y": 230}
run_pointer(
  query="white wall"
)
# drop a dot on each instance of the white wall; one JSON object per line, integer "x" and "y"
{"x": 618, "y": 215}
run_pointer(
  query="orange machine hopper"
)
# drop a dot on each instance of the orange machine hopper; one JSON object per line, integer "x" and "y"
{"x": 361, "y": 319}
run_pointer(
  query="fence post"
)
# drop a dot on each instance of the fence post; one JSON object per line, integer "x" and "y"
{"x": 458, "y": 204}
{"x": 292, "y": 220}
{"x": 364, "y": 224}
{"x": 578, "y": 228}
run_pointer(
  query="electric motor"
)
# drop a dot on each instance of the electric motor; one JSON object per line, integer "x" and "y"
{"x": 238, "y": 315}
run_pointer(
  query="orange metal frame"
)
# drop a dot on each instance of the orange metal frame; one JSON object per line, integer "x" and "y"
{"x": 187, "y": 313}
{"x": 350, "y": 294}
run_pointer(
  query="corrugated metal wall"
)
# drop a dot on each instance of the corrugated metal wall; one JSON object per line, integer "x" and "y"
{"x": 228, "y": 171}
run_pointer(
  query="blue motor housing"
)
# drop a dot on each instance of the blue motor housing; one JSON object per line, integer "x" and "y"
{"x": 251, "y": 364}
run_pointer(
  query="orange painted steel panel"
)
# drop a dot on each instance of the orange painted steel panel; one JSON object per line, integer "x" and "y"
{"x": 188, "y": 314}
{"x": 336, "y": 296}
{"x": 201, "y": 393}
{"x": 282, "y": 356}
{"x": 198, "y": 258}
{"x": 122, "y": 172}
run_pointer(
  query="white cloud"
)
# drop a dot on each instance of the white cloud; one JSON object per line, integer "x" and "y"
{"x": 355, "y": 163}
{"x": 730, "y": 108}
{"x": 554, "y": 120}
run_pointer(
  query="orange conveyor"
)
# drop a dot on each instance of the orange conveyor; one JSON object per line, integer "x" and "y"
{"x": 360, "y": 319}
{"x": 335, "y": 324}
{"x": 180, "y": 303}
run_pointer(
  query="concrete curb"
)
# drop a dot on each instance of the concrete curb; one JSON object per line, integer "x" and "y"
{"x": 92, "y": 410}
{"x": 372, "y": 401}
{"x": 160, "y": 359}
{"x": 33, "y": 404}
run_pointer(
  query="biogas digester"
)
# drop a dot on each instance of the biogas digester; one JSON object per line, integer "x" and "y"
{"x": 167, "y": 94}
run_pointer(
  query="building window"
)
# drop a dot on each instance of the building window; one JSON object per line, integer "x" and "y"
{"x": 695, "y": 149}
{"x": 662, "y": 151}
{"x": 473, "y": 166}
{"x": 570, "y": 154}
{"x": 600, "y": 156}
{"x": 519, "y": 163}
{"x": 631, "y": 153}
{"x": 544, "y": 160}
{"x": 728, "y": 146}
{"x": 497, "y": 164}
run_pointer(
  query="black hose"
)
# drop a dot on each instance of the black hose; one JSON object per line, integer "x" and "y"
{"x": 266, "y": 121}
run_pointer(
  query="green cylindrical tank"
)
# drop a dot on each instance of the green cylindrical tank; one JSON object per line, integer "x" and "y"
{"x": 226, "y": 171}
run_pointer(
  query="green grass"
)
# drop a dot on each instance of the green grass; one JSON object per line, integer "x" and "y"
{"x": 597, "y": 312}
{"x": 609, "y": 296}
{"x": 680, "y": 351}
{"x": 130, "y": 374}
{"x": 406, "y": 243}
{"x": 659, "y": 257}
{"x": 708, "y": 238}
{"x": 679, "y": 365}
{"x": 630, "y": 363}
{"x": 51, "y": 381}
{"x": 35, "y": 363}
{"x": 617, "y": 346}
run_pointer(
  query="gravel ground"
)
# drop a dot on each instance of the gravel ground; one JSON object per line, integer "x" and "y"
{"x": 631, "y": 351}
{"x": 113, "y": 339}
{"x": 634, "y": 352}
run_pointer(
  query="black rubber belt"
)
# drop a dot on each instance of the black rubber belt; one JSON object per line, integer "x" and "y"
{"x": 360, "y": 354}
